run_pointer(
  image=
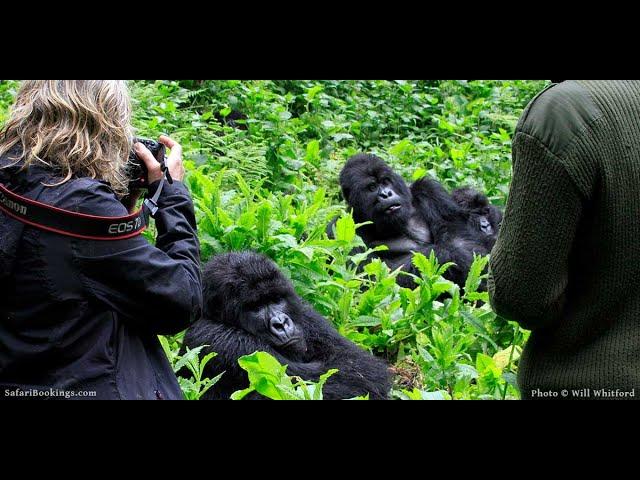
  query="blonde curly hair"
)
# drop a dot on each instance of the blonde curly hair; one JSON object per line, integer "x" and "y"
{"x": 78, "y": 128}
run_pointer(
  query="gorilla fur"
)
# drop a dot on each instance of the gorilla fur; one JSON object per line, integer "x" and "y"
{"x": 249, "y": 306}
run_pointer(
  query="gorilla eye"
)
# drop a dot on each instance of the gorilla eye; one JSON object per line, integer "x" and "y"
{"x": 372, "y": 187}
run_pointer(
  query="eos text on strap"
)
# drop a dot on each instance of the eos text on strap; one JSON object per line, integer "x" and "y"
{"x": 68, "y": 223}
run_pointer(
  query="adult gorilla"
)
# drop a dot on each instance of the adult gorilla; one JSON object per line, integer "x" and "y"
{"x": 421, "y": 218}
{"x": 250, "y": 306}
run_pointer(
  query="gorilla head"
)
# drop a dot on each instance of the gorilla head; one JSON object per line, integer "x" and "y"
{"x": 483, "y": 217}
{"x": 245, "y": 290}
{"x": 376, "y": 193}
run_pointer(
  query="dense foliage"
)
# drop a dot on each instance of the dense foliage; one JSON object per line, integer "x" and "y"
{"x": 271, "y": 186}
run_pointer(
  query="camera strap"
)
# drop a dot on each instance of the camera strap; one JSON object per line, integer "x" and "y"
{"x": 74, "y": 224}
{"x": 151, "y": 204}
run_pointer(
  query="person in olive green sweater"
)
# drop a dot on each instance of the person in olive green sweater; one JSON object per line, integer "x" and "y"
{"x": 566, "y": 264}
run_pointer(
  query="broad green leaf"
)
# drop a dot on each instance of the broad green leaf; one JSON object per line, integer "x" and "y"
{"x": 345, "y": 229}
{"x": 502, "y": 357}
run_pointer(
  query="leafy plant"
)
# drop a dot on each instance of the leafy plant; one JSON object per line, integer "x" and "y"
{"x": 195, "y": 387}
{"x": 269, "y": 378}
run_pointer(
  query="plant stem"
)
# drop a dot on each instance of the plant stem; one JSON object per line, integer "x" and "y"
{"x": 513, "y": 346}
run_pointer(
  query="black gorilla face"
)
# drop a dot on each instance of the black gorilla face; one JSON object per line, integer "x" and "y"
{"x": 481, "y": 212}
{"x": 485, "y": 226}
{"x": 248, "y": 291}
{"x": 272, "y": 323}
{"x": 376, "y": 193}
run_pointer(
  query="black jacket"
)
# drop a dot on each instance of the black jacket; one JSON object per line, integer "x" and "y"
{"x": 84, "y": 315}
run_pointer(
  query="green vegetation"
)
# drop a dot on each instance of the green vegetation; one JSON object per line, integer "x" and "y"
{"x": 273, "y": 188}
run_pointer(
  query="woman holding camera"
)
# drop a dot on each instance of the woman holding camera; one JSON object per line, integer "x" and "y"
{"x": 79, "y": 318}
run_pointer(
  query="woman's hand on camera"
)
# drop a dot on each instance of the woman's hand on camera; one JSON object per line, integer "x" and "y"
{"x": 173, "y": 162}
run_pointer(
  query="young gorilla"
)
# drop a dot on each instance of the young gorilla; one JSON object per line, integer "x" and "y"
{"x": 250, "y": 306}
{"x": 421, "y": 218}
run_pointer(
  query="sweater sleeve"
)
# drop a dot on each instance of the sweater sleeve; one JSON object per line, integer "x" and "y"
{"x": 529, "y": 263}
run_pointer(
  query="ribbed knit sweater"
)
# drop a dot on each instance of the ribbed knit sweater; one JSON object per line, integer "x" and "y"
{"x": 566, "y": 264}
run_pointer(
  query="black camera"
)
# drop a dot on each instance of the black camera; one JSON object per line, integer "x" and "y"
{"x": 137, "y": 170}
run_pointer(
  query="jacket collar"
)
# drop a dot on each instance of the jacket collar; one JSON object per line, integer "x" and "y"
{"x": 13, "y": 174}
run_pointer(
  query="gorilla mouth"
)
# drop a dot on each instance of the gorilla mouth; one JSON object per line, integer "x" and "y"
{"x": 392, "y": 208}
{"x": 291, "y": 341}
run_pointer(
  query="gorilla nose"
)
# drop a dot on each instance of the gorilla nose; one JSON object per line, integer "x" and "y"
{"x": 385, "y": 193}
{"x": 281, "y": 325}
